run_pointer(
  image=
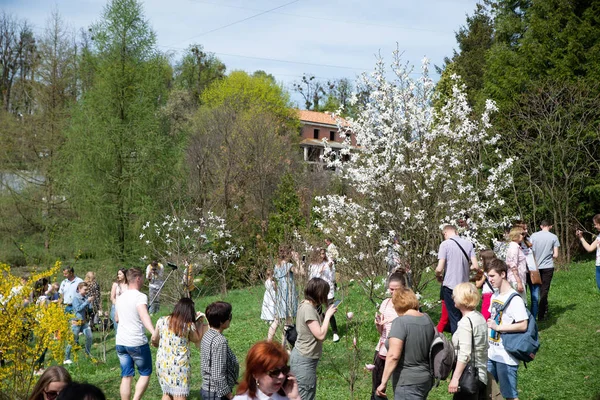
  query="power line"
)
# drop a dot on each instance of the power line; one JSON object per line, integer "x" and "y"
{"x": 240, "y": 21}
{"x": 323, "y": 18}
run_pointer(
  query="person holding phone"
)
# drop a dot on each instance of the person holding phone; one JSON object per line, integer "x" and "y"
{"x": 267, "y": 374}
{"x": 312, "y": 330}
{"x": 323, "y": 267}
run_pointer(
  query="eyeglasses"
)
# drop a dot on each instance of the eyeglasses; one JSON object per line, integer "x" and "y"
{"x": 274, "y": 373}
{"x": 51, "y": 395}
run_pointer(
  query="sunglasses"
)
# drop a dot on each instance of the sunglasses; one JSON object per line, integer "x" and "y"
{"x": 274, "y": 373}
{"x": 51, "y": 395}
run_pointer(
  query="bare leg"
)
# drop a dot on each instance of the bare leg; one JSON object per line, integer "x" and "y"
{"x": 272, "y": 329}
{"x": 167, "y": 397}
{"x": 140, "y": 387}
{"x": 125, "y": 388}
{"x": 179, "y": 398}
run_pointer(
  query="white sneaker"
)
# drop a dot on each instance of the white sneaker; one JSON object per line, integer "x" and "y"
{"x": 336, "y": 338}
{"x": 67, "y": 362}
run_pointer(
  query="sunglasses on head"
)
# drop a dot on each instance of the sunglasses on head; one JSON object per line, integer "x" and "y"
{"x": 51, "y": 395}
{"x": 275, "y": 372}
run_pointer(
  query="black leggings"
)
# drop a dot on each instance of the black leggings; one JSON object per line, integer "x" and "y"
{"x": 332, "y": 321}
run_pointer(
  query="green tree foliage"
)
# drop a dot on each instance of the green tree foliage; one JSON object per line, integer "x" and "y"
{"x": 286, "y": 216}
{"x": 118, "y": 157}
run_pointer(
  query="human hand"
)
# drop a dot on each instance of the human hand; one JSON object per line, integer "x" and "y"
{"x": 520, "y": 287}
{"x": 380, "y": 391}
{"x": 291, "y": 388}
{"x": 453, "y": 386}
{"x": 579, "y": 233}
{"x": 331, "y": 310}
{"x": 492, "y": 324}
{"x": 91, "y": 298}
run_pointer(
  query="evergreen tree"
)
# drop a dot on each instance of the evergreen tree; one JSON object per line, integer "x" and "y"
{"x": 118, "y": 156}
{"x": 286, "y": 216}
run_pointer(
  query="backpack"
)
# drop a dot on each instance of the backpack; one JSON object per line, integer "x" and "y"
{"x": 441, "y": 356}
{"x": 291, "y": 334}
{"x": 522, "y": 345}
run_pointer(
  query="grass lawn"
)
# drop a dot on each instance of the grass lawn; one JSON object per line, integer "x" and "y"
{"x": 566, "y": 367}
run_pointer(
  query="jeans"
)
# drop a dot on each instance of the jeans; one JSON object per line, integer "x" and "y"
{"x": 155, "y": 305}
{"x": 546, "y": 274}
{"x": 85, "y": 328}
{"x": 454, "y": 313}
{"x": 506, "y": 376}
{"x": 113, "y": 309}
{"x": 534, "y": 292}
{"x": 598, "y": 276}
{"x": 135, "y": 356}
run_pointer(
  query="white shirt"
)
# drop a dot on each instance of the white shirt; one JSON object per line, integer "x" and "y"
{"x": 155, "y": 282}
{"x": 325, "y": 272}
{"x": 260, "y": 396}
{"x": 131, "y": 329}
{"x": 515, "y": 312}
{"x": 69, "y": 289}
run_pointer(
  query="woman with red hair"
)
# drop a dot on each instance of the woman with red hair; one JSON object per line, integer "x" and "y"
{"x": 267, "y": 374}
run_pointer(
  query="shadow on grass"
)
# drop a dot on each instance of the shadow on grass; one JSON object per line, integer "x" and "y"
{"x": 554, "y": 314}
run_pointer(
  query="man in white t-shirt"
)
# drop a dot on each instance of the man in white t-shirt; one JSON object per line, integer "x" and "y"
{"x": 68, "y": 288}
{"x": 131, "y": 342}
{"x": 513, "y": 318}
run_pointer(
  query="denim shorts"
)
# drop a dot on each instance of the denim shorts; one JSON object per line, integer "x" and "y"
{"x": 139, "y": 356}
{"x": 506, "y": 376}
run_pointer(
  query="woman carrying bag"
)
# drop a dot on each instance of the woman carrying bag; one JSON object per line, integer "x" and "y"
{"x": 469, "y": 379}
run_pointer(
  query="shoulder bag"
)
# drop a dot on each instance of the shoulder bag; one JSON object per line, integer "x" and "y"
{"x": 469, "y": 380}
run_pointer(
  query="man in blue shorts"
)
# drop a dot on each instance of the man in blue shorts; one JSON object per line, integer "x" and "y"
{"x": 132, "y": 344}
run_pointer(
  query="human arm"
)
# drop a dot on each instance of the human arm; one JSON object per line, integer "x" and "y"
{"x": 113, "y": 293}
{"x": 200, "y": 327}
{"x": 80, "y": 304}
{"x": 555, "y": 252}
{"x": 155, "y": 339}
{"x": 462, "y": 339}
{"x": 439, "y": 270}
{"x": 320, "y": 331}
{"x": 520, "y": 326}
{"x": 219, "y": 368}
{"x": 589, "y": 247}
{"x": 142, "y": 310}
{"x": 391, "y": 362}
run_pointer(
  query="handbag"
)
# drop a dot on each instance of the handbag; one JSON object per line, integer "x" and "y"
{"x": 469, "y": 380}
{"x": 536, "y": 278}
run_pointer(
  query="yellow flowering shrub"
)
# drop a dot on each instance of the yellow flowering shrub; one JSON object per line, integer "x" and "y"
{"x": 27, "y": 329}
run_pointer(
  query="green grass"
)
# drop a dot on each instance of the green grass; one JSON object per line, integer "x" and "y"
{"x": 566, "y": 367}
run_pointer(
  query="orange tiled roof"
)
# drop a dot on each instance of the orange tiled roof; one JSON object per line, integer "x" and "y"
{"x": 318, "y": 117}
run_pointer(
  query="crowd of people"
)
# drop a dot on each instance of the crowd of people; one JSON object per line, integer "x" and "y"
{"x": 479, "y": 305}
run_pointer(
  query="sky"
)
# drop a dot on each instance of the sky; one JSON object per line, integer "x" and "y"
{"x": 330, "y": 39}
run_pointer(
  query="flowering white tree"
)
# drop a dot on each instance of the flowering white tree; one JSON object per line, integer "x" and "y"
{"x": 195, "y": 244}
{"x": 415, "y": 169}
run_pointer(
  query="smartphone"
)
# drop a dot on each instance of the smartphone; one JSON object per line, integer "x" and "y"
{"x": 336, "y": 303}
{"x": 303, "y": 257}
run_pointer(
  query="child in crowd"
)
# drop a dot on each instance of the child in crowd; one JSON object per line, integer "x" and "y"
{"x": 81, "y": 307}
{"x": 484, "y": 284}
{"x": 268, "y": 313}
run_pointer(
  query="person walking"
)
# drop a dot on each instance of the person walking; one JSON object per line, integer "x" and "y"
{"x": 219, "y": 366}
{"x": 131, "y": 342}
{"x": 407, "y": 359}
{"x": 172, "y": 336}
{"x": 287, "y": 296}
{"x": 593, "y": 246}
{"x": 453, "y": 268}
{"x": 68, "y": 288}
{"x": 545, "y": 247}
{"x": 471, "y": 342}
{"x": 517, "y": 262}
{"x": 82, "y": 307}
{"x": 513, "y": 318}
{"x": 311, "y": 334}
{"x": 383, "y": 322}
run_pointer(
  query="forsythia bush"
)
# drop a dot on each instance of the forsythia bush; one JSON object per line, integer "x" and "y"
{"x": 27, "y": 329}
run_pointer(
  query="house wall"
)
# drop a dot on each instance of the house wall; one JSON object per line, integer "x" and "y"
{"x": 307, "y": 132}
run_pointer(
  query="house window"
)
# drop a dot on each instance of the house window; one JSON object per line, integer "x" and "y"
{"x": 316, "y": 134}
{"x": 332, "y": 136}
